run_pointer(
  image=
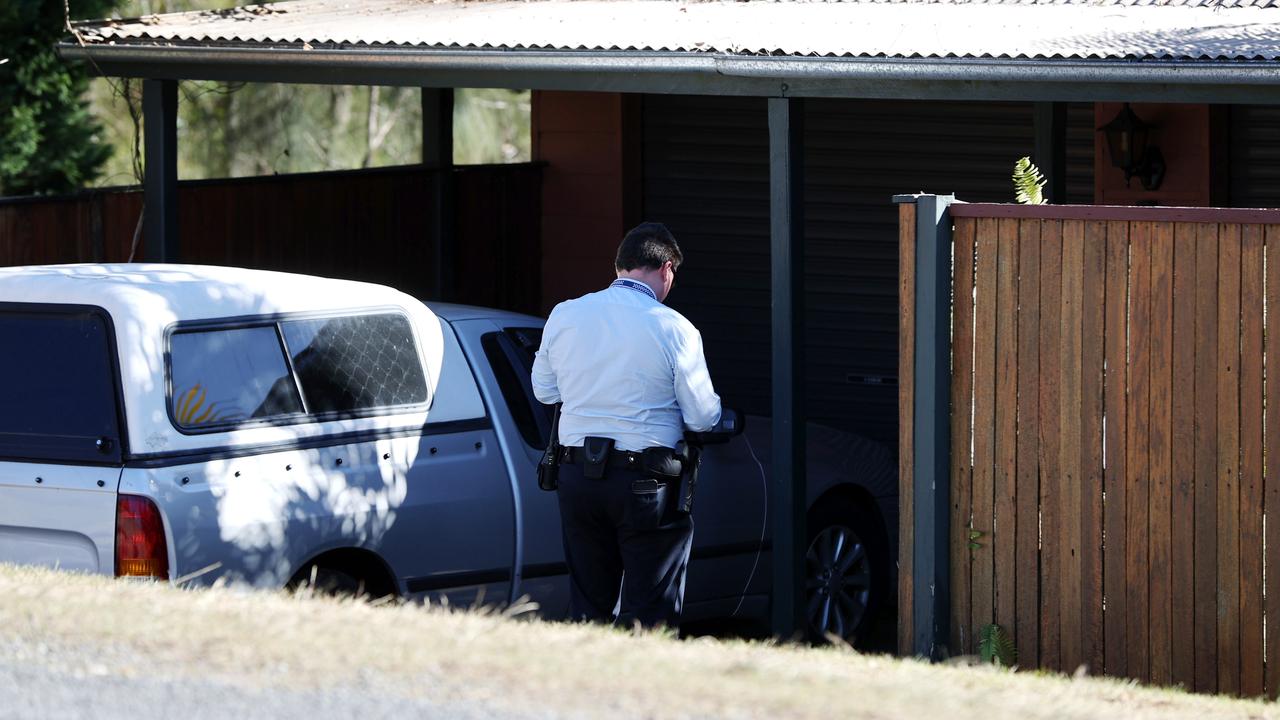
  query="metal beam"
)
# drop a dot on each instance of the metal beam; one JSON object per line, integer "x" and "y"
{"x": 931, "y": 485}
{"x": 704, "y": 74}
{"x": 1051, "y": 148}
{"x": 160, "y": 182}
{"x": 437, "y": 154}
{"x": 787, "y": 493}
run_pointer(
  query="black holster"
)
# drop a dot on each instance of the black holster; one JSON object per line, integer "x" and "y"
{"x": 691, "y": 459}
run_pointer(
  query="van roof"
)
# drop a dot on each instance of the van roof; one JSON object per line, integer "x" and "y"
{"x": 163, "y": 294}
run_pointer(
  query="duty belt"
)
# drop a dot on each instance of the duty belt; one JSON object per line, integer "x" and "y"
{"x": 617, "y": 458}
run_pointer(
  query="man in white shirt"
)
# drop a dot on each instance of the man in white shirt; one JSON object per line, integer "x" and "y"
{"x": 630, "y": 370}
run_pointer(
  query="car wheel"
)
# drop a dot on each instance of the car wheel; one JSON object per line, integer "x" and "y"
{"x": 846, "y": 571}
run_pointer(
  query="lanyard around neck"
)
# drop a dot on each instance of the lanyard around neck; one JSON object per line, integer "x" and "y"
{"x": 634, "y": 285}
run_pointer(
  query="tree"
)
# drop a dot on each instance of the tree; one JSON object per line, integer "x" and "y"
{"x": 49, "y": 142}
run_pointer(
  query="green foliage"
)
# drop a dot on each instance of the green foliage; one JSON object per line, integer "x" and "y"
{"x": 1028, "y": 183}
{"x": 245, "y": 129}
{"x": 49, "y": 142}
{"x": 996, "y": 646}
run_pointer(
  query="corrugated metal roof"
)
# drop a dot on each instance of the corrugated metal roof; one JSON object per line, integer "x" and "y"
{"x": 1225, "y": 30}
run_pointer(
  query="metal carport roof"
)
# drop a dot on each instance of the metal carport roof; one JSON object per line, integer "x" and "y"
{"x": 1188, "y": 50}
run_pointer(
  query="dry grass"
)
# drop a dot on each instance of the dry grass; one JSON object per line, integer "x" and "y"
{"x": 266, "y": 640}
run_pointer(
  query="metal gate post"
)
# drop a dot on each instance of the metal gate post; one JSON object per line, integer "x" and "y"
{"x": 931, "y": 458}
{"x": 787, "y": 494}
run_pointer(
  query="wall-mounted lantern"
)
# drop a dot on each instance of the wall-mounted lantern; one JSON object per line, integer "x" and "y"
{"x": 1129, "y": 142}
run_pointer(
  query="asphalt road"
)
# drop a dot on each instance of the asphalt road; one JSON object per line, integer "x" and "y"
{"x": 40, "y": 681}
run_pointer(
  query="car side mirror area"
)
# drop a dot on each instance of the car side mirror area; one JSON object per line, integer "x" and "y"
{"x": 732, "y": 423}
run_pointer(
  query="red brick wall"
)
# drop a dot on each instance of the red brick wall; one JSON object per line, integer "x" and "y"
{"x": 588, "y": 192}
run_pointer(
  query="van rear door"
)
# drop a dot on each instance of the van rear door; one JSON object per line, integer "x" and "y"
{"x": 60, "y": 437}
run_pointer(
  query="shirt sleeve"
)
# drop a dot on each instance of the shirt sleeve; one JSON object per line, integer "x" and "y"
{"x": 699, "y": 403}
{"x": 545, "y": 387}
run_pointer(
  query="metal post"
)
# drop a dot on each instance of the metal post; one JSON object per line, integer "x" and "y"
{"x": 931, "y": 484}
{"x": 1051, "y": 148}
{"x": 437, "y": 154}
{"x": 787, "y": 494}
{"x": 160, "y": 181}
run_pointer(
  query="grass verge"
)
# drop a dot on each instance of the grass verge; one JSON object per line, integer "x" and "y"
{"x": 262, "y": 640}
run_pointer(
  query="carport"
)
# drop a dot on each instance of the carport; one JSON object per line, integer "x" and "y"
{"x": 1048, "y": 54}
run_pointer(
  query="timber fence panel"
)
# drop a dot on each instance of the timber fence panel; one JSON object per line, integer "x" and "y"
{"x": 1026, "y": 630}
{"x": 1271, "y": 482}
{"x": 1110, "y": 417}
{"x": 1117, "y": 303}
{"x": 962, "y": 641}
{"x": 1205, "y": 589}
{"x": 1228, "y": 490}
{"x": 1069, "y": 398}
{"x": 982, "y": 584}
{"x": 1251, "y": 455}
{"x": 1049, "y": 441}
{"x": 1159, "y": 457}
{"x": 1092, "y": 353}
{"x": 1182, "y": 502}
{"x": 906, "y": 422}
{"x": 1004, "y": 521}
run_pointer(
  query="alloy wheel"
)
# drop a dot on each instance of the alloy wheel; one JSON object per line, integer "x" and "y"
{"x": 837, "y": 582}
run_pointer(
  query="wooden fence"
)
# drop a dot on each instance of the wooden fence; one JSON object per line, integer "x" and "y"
{"x": 1109, "y": 473}
{"x": 375, "y": 225}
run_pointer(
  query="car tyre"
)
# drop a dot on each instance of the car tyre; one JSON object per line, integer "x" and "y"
{"x": 846, "y": 571}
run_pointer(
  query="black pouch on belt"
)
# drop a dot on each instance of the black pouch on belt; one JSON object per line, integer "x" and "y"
{"x": 595, "y": 456}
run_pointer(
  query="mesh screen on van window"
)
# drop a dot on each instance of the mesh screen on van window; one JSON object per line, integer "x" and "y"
{"x": 356, "y": 363}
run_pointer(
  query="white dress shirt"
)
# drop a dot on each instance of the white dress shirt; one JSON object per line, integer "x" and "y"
{"x": 626, "y": 367}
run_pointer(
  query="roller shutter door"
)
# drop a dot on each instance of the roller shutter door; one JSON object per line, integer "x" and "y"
{"x": 1255, "y": 156}
{"x": 706, "y": 175}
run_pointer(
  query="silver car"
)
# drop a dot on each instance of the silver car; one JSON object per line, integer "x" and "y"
{"x": 202, "y": 425}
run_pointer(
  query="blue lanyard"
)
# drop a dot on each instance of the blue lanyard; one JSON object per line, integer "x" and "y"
{"x": 633, "y": 285}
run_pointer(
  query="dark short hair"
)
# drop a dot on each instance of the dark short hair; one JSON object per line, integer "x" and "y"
{"x": 648, "y": 245}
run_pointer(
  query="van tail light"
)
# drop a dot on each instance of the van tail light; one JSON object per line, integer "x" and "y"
{"x": 140, "y": 546}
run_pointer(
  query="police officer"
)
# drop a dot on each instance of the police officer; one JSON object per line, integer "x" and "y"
{"x": 631, "y": 375}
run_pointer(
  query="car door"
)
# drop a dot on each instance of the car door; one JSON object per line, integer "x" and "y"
{"x": 503, "y": 359}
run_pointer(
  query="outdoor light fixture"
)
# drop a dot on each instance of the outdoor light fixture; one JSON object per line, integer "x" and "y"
{"x": 1129, "y": 141}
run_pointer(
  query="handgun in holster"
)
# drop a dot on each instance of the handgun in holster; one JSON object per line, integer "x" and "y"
{"x": 691, "y": 458}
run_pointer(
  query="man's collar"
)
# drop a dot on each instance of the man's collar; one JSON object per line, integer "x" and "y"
{"x": 634, "y": 285}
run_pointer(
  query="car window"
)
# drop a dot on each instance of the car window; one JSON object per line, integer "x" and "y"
{"x": 512, "y": 362}
{"x": 230, "y": 375}
{"x": 57, "y": 387}
{"x": 356, "y": 362}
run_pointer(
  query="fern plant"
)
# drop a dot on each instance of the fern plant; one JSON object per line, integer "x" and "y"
{"x": 1028, "y": 183}
{"x": 996, "y": 646}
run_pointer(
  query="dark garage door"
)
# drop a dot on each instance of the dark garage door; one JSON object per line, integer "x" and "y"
{"x": 706, "y": 176}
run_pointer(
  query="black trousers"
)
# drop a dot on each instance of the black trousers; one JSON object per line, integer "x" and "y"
{"x": 623, "y": 535}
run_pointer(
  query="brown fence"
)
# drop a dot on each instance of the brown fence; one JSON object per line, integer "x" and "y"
{"x": 374, "y": 225}
{"x": 1109, "y": 475}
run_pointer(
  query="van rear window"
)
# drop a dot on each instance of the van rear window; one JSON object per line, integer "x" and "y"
{"x": 57, "y": 387}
